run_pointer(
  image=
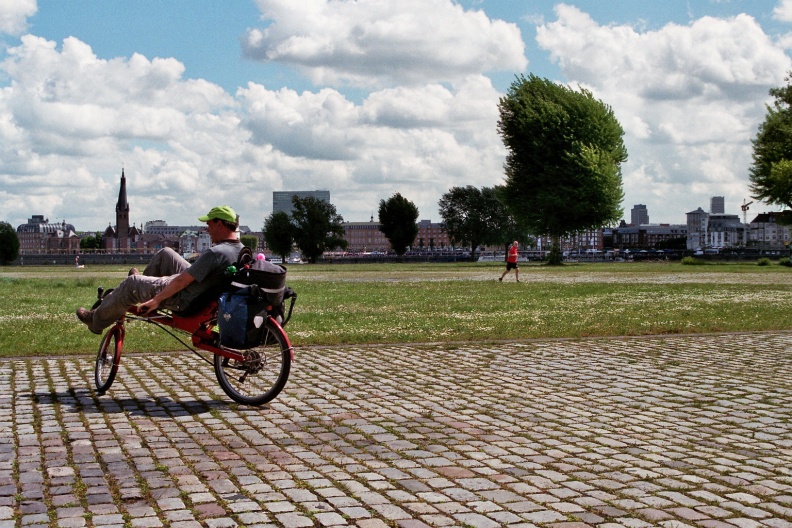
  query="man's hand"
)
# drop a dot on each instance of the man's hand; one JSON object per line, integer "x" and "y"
{"x": 148, "y": 306}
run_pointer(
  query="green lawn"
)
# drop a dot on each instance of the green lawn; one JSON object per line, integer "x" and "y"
{"x": 390, "y": 303}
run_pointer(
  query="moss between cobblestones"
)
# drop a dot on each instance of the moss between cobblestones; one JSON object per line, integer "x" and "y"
{"x": 661, "y": 429}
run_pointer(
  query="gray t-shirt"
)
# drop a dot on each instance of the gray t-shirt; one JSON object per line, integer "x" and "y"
{"x": 209, "y": 270}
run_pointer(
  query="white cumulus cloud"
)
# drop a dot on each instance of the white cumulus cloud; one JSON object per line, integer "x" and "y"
{"x": 381, "y": 42}
{"x": 14, "y": 15}
{"x": 783, "y": 11}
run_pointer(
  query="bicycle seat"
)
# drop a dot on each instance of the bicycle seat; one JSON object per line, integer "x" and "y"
{"x": 201, "y": 303}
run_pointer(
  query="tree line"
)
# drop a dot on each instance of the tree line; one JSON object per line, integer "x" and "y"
{"x": 562, "y": 175}
{"x": 563, "y": 171}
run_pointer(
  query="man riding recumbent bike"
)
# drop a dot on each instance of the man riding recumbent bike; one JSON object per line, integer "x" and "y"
{"x": 241, "y": 325}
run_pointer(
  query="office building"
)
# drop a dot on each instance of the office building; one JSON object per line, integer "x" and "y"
{"x": 639, "y": 215}
{"x": 717, "y": 205}
{"x": 282, "y": 200}
{"x": 363, "y": 237}
{"x": 38, "y": 235}
{"x": 768, "y": 230}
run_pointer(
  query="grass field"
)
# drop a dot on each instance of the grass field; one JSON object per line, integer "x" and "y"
{"x": 393, "y": 303}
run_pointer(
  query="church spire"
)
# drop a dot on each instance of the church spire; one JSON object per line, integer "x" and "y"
{"x": 122, "y": 205}
{"x": 122, "y": 215}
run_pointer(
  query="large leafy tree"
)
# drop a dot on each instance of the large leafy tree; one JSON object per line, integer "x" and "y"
{"x": 278, "y": 234}
{"x": 471, "y": 216}
{"x": 91, "y": 241}
{"x": 563, "y": 167}
{"x": 398, "y": 217}
{"x": 771, "y": 172}
{"x": 317, "y": 227}
{"x": 9, "y": 243}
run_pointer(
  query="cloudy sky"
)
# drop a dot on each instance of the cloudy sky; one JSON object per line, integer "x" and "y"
{"x": 205, "y": 102}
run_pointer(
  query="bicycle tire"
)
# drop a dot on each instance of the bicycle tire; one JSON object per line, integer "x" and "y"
{"x": 264, "y": 375}
{"x": 108, "y": 359}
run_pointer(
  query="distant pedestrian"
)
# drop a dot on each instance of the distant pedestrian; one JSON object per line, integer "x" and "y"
{"x": 511, "y": 262}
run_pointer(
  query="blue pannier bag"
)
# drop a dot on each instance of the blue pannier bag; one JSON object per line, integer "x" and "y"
{"x": 240, "y": 317}
{"x": 256, "y": 290}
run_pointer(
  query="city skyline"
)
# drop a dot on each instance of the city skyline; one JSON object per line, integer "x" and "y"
{"x": 205, "y": 103}
{"x": 631, "y": 213}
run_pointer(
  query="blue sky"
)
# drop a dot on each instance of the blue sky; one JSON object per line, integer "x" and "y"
{"x": 206, "y": 101}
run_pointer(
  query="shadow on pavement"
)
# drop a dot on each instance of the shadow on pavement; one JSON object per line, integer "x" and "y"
{"x": 88, "y": 402}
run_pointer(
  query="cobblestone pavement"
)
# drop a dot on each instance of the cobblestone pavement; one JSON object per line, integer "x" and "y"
{"x": 670, "y": 432}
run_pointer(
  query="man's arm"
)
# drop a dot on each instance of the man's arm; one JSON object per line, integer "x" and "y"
{"x": 175, "y": 286}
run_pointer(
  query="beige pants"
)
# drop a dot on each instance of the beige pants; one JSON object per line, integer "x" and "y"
{"x": 163, "y": 267}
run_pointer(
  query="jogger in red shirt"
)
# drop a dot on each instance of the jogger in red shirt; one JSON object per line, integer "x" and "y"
{"x": 511, "y": 262}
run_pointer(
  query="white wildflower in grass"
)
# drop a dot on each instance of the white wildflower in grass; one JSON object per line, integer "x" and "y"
{"x": 391, "y": 303}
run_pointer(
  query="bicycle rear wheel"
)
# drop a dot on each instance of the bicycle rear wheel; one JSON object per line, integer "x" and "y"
{"x": 108, "y": 358}
{"x": 263, "y": 373}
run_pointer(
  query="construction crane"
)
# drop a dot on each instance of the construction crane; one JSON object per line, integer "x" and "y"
{"x": 745, "y": 208}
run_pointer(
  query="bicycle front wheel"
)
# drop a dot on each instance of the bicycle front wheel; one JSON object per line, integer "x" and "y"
{"x": 260, "y": 377}
{"x": 108, "y": 358}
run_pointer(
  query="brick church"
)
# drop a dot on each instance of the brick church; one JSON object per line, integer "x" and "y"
{"x": 121, "y": 236}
